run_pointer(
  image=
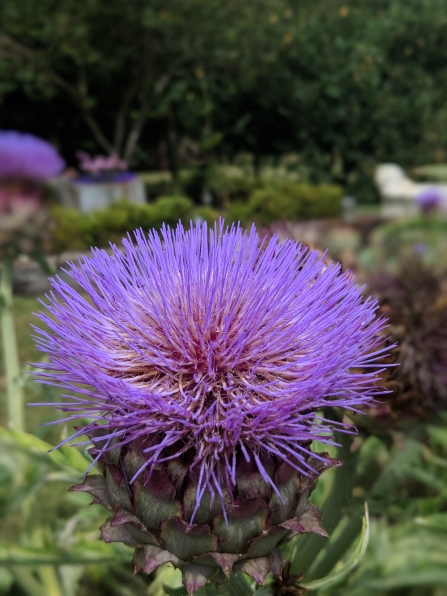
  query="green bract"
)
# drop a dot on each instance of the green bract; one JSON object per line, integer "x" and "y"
{"x": 152, "y": 515}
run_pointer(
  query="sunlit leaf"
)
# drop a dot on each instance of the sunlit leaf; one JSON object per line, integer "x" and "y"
{"x": 306, "y": 547}
{"x": 340, "y": 572}
{"x": 14, "y": 554}
{"x": 180, "y": 591}
{"x": 65, "y": 457}
{"x": 437, "y": 521}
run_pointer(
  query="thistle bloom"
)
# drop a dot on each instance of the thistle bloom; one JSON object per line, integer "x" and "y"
{"x": 429, "y": 199}
{"x": 27, "y": 157}
{"x": 201, "y": 358}
{"x": 25, "y": 162}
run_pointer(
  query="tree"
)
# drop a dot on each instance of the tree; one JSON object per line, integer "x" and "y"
{"x": 344, "y": 83}
{"x": 125, "y": 61}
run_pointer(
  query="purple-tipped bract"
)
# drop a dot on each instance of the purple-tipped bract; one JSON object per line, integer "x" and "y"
{"x": 212, "y": 342}
{"x": 27, "y": 157}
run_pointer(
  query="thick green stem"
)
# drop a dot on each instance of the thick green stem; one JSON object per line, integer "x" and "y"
{"x": 50, "y": 580}
{"x": 10, "y": 352}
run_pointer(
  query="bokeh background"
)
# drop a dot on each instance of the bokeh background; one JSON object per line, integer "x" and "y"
{"x": 280, "y": 113}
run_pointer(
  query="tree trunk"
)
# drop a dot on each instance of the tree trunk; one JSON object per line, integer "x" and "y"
{"x": 172, "y": 140}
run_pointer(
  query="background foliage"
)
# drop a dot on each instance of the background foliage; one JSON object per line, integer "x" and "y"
{"x": 343, "y": 83}
{"x": 49, "y": 538}
{"x": 274, "y": 107}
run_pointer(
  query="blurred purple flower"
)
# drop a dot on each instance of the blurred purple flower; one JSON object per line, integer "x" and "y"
{"x": 420, "y": 248}
{"x": 429, "y": 199}
{"x": 100, "y": 163}
{"x": 211, "y": 342}
{"x": 27, "y": 157}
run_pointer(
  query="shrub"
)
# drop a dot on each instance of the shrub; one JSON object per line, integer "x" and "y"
{"x": 205, "y": 214}
{"x": 156, "y": 183}
{"x": 229, "y": 183}
{"x": 67, "y": 232}
{"x": 108, "y": 225}
{"x": 169, "y": 210}
{"x": 319, "y": 201}
{"x": 192, "y": 181}
{"x": 75, "y": 231}
{"x": 238, "y": 212}
{"x": 289, "y": 200}
{"x": 272, "y": 203}
{"x": 226, "y": 182}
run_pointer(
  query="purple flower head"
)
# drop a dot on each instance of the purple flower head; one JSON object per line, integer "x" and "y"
{"x": 429, "y": 199}
{"x": 211, "y": 342}
{"x": 26, "y": 157}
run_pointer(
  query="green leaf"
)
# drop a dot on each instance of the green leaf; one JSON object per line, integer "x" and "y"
{"x": 337, "y": 546}
{"x": 27, "y": 582}
{"x": 74, "y": 458}
{"x": 356, "y": 556}
{"x": 306, "y": 547}
{"x": 403, "y": 555}
{"x": 236, "y": 586}
{"x": 14, "y": 554}
{"x": 180, "y": 591}
{"x": 6, "y": 579}
{"x": 66, "y": 457}
{"x": 167, "y": 581}
{"x": 437, "y": 521}
{"x": 438, "y": 435}
{"x": 431, "y": 576}
{"x": 264, "y": 591}
{"x": 400, "y": 467}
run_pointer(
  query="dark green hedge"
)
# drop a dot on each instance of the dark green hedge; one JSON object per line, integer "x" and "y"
{"x": 73, "y": 231}
{"x": 288, "y": 200}
{"x": 267, "y": 203}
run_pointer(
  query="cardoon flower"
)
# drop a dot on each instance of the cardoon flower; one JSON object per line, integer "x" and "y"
{"x": 201, "y": 359}
{"x": 429, "y": 199}
{"x": 26, "y": 162}
{"x": 27, "y": 158}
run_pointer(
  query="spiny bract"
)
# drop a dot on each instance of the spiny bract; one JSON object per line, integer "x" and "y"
{"x": 201, "y": 357}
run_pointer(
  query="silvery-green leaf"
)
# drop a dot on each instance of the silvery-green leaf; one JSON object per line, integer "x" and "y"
{"x": 342, "y": 570}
